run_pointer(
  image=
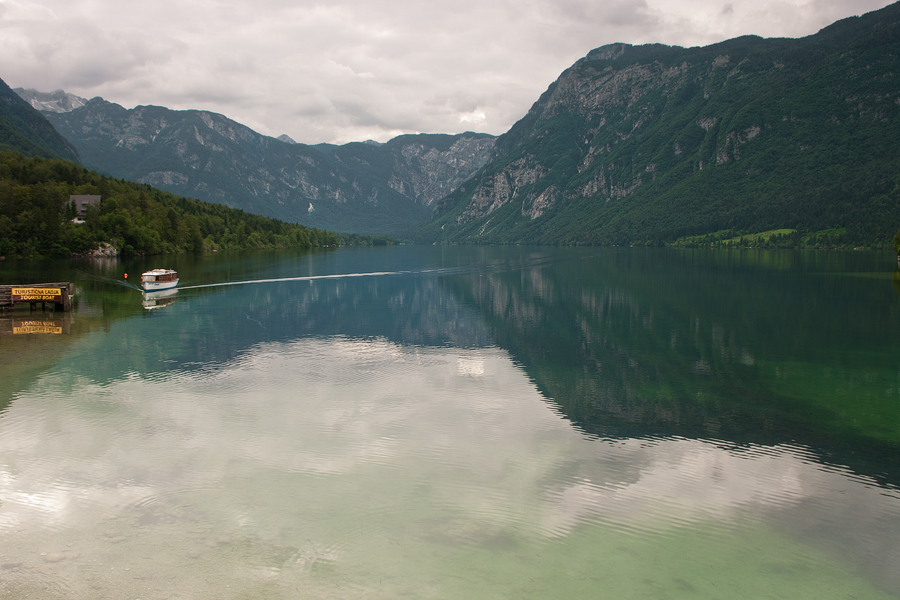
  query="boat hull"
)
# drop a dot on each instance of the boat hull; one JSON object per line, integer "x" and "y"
{"x": 157, "y": 286}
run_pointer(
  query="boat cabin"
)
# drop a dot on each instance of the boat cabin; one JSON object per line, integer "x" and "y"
{"x": 159, "y": 276}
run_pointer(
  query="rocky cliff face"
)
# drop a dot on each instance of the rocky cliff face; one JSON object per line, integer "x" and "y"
{"x": 358, "y": 187}
{"x": 426, "y": 172}
{"x": 648, "y": 144}
{"x": 57, "y": 101}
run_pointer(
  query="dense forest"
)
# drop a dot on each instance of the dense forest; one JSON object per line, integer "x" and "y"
{"x": 36, "y": 217}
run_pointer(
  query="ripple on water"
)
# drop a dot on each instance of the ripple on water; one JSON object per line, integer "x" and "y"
{"x": 460, "y": 530}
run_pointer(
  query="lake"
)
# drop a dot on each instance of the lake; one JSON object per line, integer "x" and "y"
{"x": 456, "y": 423}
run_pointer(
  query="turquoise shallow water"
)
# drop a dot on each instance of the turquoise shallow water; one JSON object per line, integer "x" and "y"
{"x": 458, "y": 423}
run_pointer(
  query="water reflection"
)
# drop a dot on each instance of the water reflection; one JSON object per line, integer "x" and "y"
{"x": 708, "y": 345}
{"x": 40, "y": 323}
{"x": 161, "y": 299}
{"x": 556, "y": 424}
{"x": 350, "y": 455}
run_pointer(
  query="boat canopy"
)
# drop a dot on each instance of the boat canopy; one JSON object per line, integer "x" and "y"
{"x": 159, "y": 275}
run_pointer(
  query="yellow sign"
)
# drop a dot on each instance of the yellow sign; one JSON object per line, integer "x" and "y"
{"x": 23, "y": 294}
{"x": 36, "y": 327}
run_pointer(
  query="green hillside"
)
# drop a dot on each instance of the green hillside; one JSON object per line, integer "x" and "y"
{"x": 796, "y": 139}
{"x": 135, "y": 218}
{"x": 25, "y": 130}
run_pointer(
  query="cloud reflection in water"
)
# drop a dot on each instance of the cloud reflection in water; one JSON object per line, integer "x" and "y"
{"x": 333, "y": 449}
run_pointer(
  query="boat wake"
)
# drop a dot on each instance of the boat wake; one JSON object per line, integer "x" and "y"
{"x": 438, "y": 271}
{"x": 303, "y": 278}
{"x": 112, "y": 280}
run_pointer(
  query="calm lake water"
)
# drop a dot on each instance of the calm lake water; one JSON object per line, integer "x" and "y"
{"x": 456, "y": 423}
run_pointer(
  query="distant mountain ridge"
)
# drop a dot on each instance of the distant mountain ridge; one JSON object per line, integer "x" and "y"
{"x": 656, "y": 144}
{"x": 56, "y": 101}
{"x": 358, "y": 187}
{"x": 26, "y": 131}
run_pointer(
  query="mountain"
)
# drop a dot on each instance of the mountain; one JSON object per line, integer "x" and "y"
{"x": 658, "y": 144}
{"x": 25, "y": 130}
{"x": 57, "y": 101}
{"x": 358, "y": 187}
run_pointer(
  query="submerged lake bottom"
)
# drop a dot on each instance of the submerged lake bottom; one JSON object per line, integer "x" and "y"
{"x": 459, "y": 423}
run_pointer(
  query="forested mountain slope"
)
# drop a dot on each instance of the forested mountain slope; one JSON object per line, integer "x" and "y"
{"x": 25, "y": 130}
{"x": 657, "y": 144}
{"x": 359, "y": 187}
{"x": 36, "y": 217}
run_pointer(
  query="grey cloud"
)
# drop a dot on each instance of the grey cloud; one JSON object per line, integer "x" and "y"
{"x": 355, "y": 69}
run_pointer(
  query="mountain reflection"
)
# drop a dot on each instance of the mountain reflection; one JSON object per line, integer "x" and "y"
{"x": 761, "y": 348}
{"x": 363, "y": 452}
{"x": 756, "y": 348}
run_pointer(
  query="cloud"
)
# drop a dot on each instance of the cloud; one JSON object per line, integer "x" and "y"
{"x": 351, "y": 70}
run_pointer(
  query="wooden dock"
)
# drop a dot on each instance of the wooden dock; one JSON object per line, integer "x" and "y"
{"x": 57, "y": 295}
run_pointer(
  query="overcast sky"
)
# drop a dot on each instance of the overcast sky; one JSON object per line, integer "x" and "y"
{"x": 348, "y": 70}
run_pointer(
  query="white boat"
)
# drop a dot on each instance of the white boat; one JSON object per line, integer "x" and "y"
{"x": 159, "y": 279}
